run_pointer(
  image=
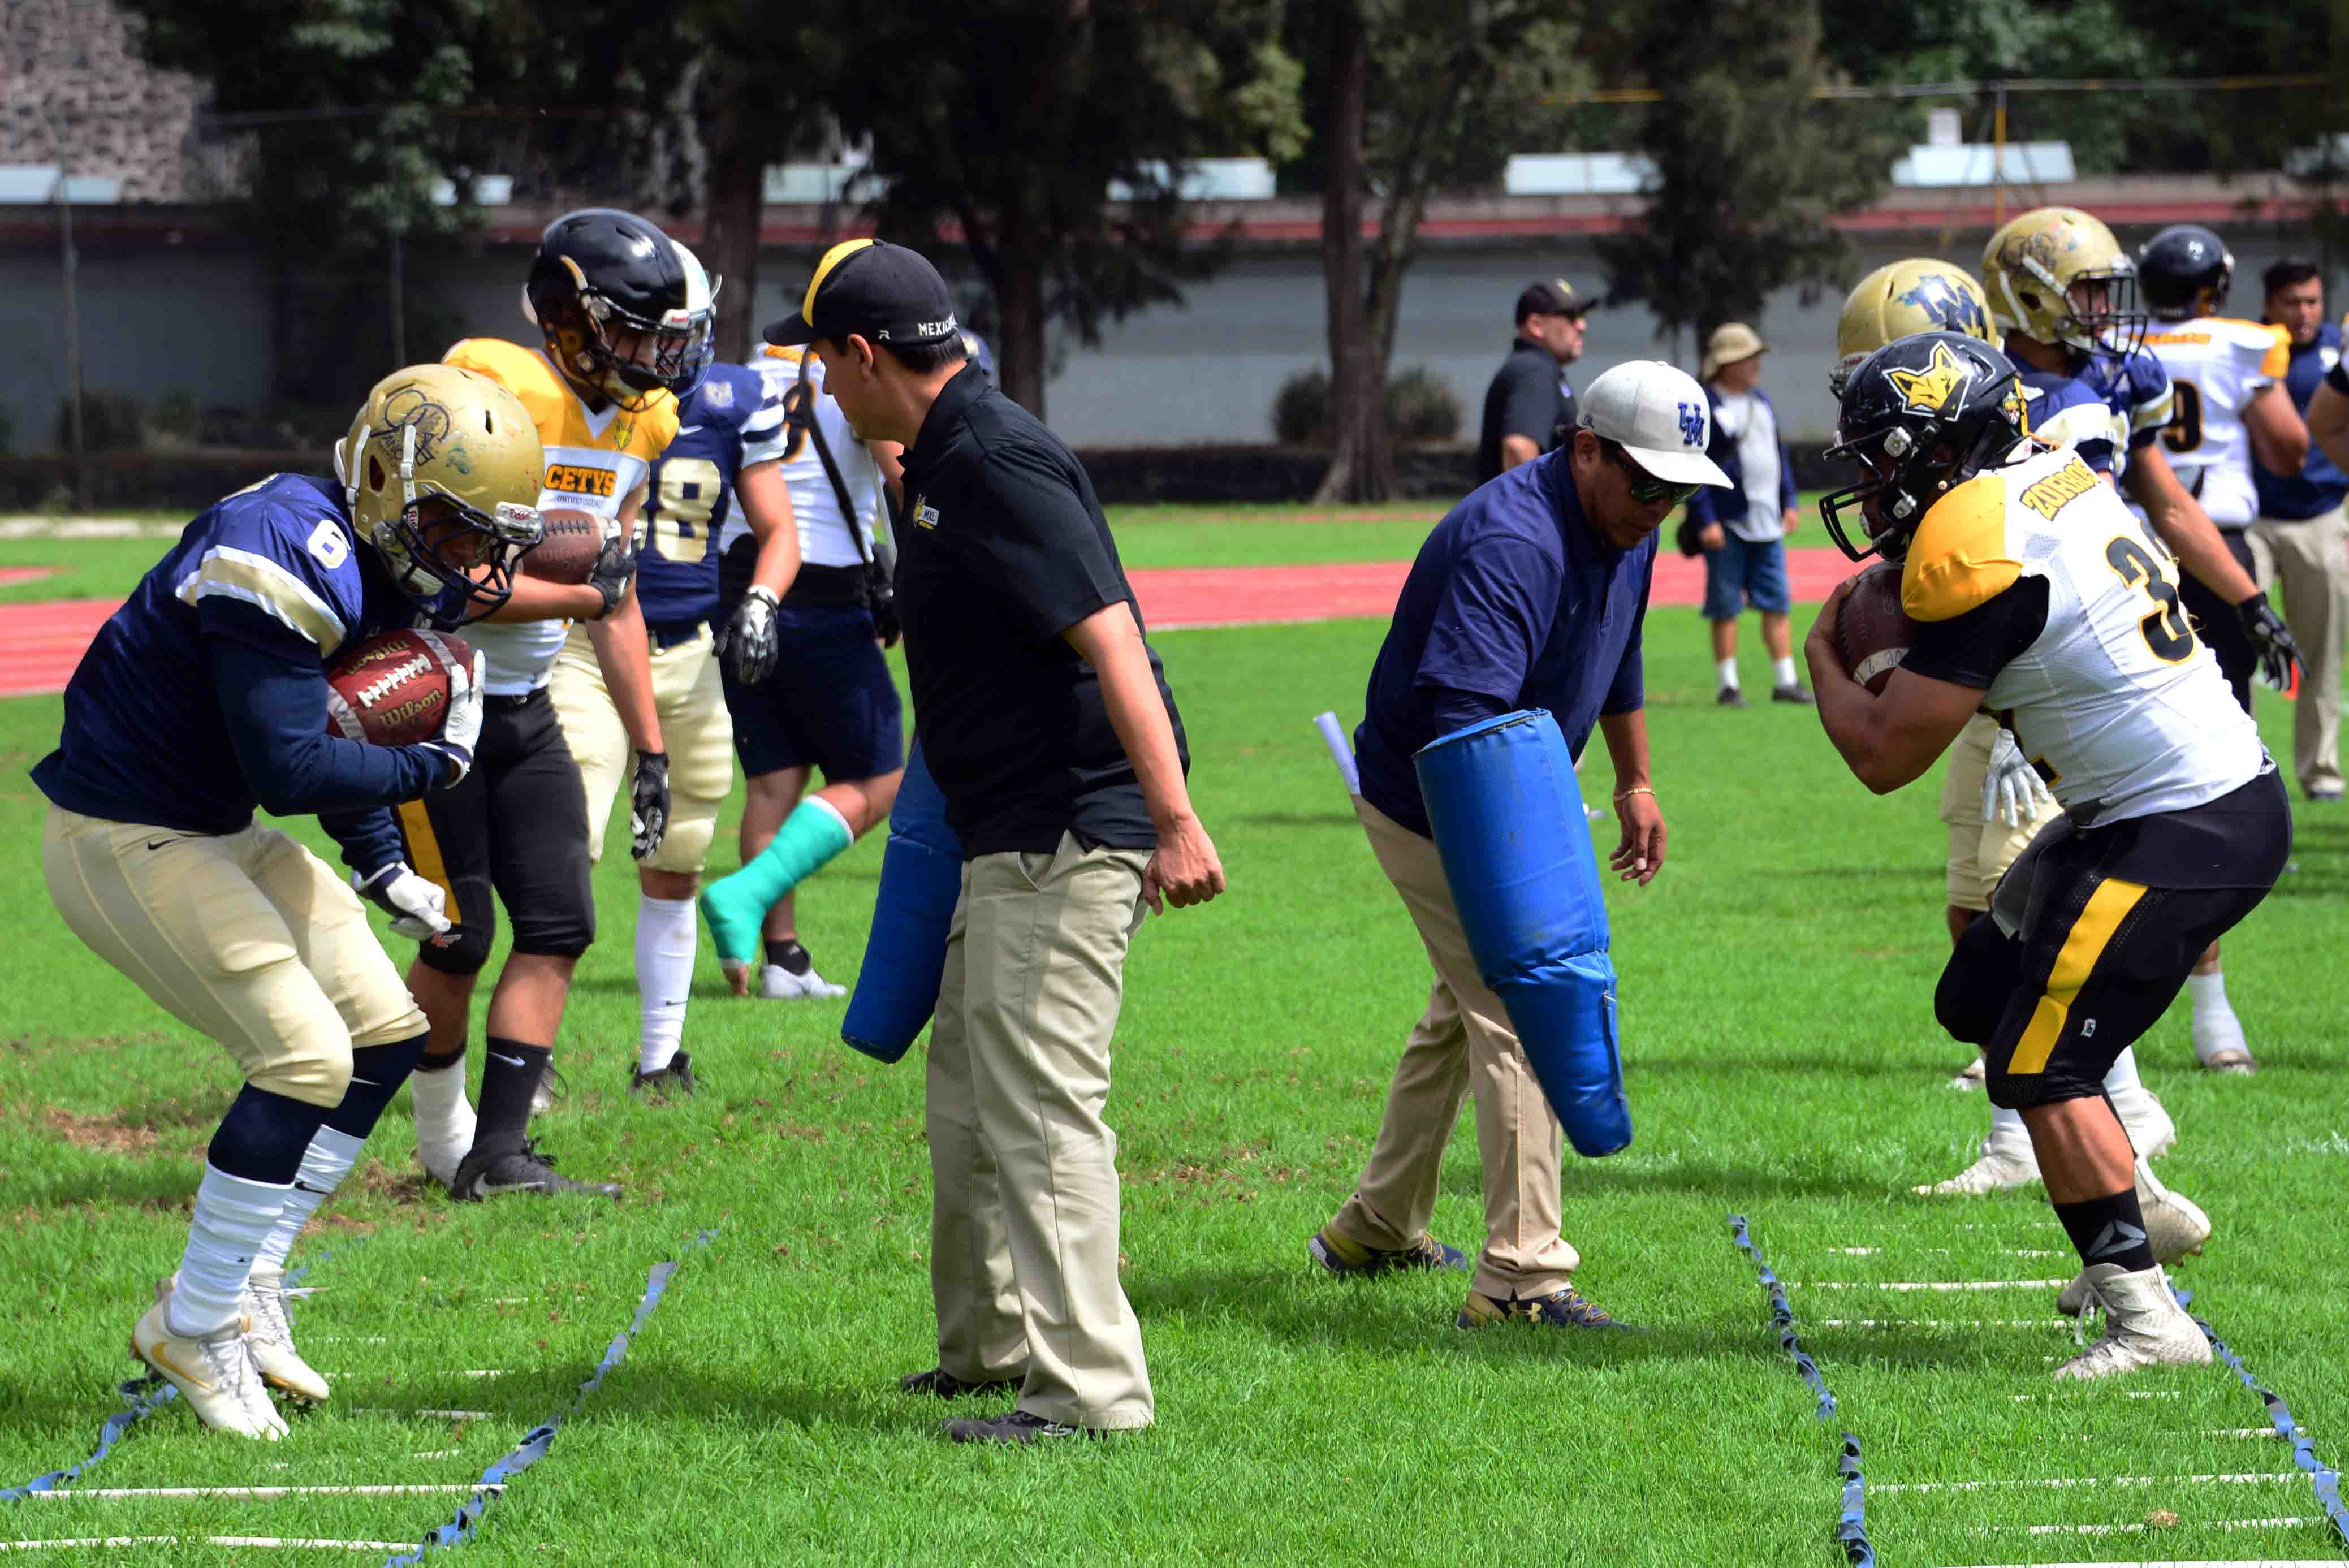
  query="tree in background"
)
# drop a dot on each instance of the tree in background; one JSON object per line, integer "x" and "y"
{"x": 1001, "y": 124}
{"x": 1409, "y": 97}
{"x": 1750, "y": 170}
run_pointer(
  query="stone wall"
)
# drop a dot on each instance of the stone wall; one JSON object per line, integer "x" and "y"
{"x": 73, "y": 66}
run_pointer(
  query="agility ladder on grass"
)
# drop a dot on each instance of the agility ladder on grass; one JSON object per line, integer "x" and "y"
{"x": 2323, "y": 1478}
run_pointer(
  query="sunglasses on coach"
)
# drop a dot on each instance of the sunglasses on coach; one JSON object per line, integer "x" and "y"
{"x": 1646, "y": 488}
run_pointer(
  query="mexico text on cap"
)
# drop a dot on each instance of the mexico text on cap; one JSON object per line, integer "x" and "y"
{"x": 880, "y": 292}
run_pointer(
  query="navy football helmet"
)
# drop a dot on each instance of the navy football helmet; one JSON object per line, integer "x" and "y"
{"x": 1920, "y": 416}
{"x": 2183, "y": 271}
{"x": 624, "y": 308}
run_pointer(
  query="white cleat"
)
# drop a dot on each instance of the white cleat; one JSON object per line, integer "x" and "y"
{"x": 2150, "y": 1131}
{"x": 2176, "y": 1228}
{"x": 2218, "y": 1043}
{"x": 2144, "y": 1326}
{"x": 2006, "y": 1161}
{"x": 1971, "y": 1076}
{"x": 777, "y": 983}
{"x": 271, "y": 1340}
{"x": 213, "y": 1373}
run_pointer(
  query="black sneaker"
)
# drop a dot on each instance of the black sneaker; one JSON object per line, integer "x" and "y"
{"x": 1567, "y": 1308}
{"x": 662, "y": 1082}
{"x": 941, "y": 1384}
{"x": 1795, "y": 695}
{"x": 1019, "y": 1427}
{"x": 525, "y": 1169}
{"x": 1731, "y": 697}
{"x": 1351, "y": 1260}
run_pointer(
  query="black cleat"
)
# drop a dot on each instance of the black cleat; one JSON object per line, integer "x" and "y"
{"x": 941, "y": 1384}
{"x": 1731, "y": 697}
{"x": 1793, "y": 693}
{"x": 1018, "y": 1428}
{"x": 525, "y": 1169}
{"x": 662, "y": 1082}
{"x": 1565, "y": 1308}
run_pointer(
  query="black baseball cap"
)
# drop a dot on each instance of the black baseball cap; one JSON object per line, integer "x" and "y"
{"x": 1550, "y": 296}
{"x": 884, "y": 293}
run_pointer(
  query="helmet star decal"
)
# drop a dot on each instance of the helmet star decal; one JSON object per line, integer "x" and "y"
{"x": 1933, "y": 388}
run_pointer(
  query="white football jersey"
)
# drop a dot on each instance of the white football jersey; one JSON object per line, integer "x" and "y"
{"x": 2216, "y": 365}
{"x": 826, "y": 539}
{"x": 2117, "y": 701}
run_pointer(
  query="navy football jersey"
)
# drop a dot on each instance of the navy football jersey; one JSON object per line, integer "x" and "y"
{"x": 692, "y": 493}
{"x": 2072, "y": 411}
{"x": 2136, "y": 388}
{"x": 145, "y": 739}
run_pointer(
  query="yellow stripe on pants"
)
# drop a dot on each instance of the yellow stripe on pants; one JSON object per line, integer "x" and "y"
{"x": 2090, "y": 934}
{"x": 424, "y": 849}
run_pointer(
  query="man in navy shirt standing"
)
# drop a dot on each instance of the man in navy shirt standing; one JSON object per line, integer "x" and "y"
{"x": 2301, "y": 541}
{"x": 1530, "y": 594}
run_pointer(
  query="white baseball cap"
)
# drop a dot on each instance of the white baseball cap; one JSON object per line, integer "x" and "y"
{"x": 1656, "y": 413}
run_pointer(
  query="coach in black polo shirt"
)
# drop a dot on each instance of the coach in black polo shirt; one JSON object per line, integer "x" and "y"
{"x": 1529, "y": 401}
{"x": 1047, "y": 723}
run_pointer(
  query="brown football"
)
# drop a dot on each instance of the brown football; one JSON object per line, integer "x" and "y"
{"x": 574, "y": 538}
{"x": 1872, "y": 632}
{"x": 393, "y": 689}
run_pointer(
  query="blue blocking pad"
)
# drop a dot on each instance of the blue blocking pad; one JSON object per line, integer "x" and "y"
{"x": 1516, "y": 851}
{"x": 906, "y": 955}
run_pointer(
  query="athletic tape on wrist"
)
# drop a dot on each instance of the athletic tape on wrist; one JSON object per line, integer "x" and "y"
{"x": 143, "y": 1397}
{"x": 536, "y": 1443}
{"x": 1851, "y": 1524}
{"x": 2322, "y": 1478}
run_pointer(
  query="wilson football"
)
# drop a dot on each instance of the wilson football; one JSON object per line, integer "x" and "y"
{"x": 1872, "y": 632}
{"x": 573, "y": 538}
{"x": 393, "y": 689}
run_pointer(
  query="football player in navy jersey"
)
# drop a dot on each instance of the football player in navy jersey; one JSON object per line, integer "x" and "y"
{"x": 203, "y": 697}
{"x": 716, "y": 475}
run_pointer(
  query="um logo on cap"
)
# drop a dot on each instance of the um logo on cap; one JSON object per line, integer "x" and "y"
{"x": 1692, "y": 424}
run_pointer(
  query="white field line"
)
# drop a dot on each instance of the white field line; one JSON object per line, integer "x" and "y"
{"x": 1927, "y": 1285}
{"x": 437, "y": 1454}
{"x": 2124, "y": 1393}
{"x": 249, "y": 1493}
{"x": 2062, "y": 1483}
{"x": 2146, "y": 1529}
{"x": 464, "y": 1372}
{"x": 297, "y": 1542}
{"x": 1942, "y": 1323}
{"x": 1945, "y": 1252}
{"x": 2237, "y": 1562}
{"x": 421, "y": 1415}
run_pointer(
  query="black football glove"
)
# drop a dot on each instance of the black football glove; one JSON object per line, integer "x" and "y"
{"x": 648, "y": 803}
{"x": 750, "y": 645}
{"x": 2269, "y": 635}
{"x": 609, "y": 576}
{"x": 884, "y": 596}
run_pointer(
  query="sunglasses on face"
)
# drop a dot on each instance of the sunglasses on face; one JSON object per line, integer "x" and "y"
{"x": 1646, "y": 488}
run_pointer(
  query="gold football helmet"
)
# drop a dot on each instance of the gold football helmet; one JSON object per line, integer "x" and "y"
{"x": 2058, "y": 276}
{"x": 437, "y": 433}
{"x": 1919, "y": 295}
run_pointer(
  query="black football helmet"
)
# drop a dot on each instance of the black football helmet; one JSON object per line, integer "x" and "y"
{"x": 2183, "y": 271}
{"x": 624, "y": 308}
{"x": 1920, "y": 416}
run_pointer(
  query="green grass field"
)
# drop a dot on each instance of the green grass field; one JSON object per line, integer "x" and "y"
{"x": 1782, "y": 1062}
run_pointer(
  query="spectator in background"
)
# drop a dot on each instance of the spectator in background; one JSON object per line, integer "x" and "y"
{"x": 2300, "y": 542}
{"x": 1742, "y": 529}
{"x": 1530, "y": 401}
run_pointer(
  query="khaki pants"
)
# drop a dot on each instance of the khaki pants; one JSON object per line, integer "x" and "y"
{"x": 1980, "y": 852}
{"x": 1464, "y": 1041}
{"x": 1024, "y": 1217}
{"x": 2310, "y": 559}
{"x": 247, "y": 937}
{"x": 695, "y": 727}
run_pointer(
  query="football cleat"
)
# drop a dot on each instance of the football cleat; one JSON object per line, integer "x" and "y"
{"x": 777, "y": 983}
{"x": 2007, "y": 1161}
{"x": 2144, "y": 1326}
{"x": 1349, "y": 1259}
{"x": 1018, "y": 1428}
{"x": 2218, "y": 1043}
{"x": 270, "y": 1339}
{"x": 1971, "y": 1076}
{"x": 1564, "y": 1309}
{"x": 213, "y": 1373}
{"x": 662, "y": 1082}
{"x": 941, "y": 1384}
{"x": 523, "y": 1170}
{"x": 2176, "y": 1227}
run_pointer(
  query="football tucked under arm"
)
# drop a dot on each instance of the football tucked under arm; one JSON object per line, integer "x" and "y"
{"x": 1873, "y": 634}
{"x": 393, "y": 689}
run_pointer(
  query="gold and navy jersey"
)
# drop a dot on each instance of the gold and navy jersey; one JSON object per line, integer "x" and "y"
{"x": 2216, "y": 365}
{"x": 145, "y": 738}
{"x": 2136, "y": 387}
{"x": 690, "y": 510}
{"x": 2067, "y": 411}
{"x": 2113, "y": 697}
{"x": 594, "y": 461}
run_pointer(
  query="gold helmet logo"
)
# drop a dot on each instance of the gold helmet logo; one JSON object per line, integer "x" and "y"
{"x": 1934, "y": 388}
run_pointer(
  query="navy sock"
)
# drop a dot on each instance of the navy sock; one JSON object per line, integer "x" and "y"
{"x": 2108, "y": 1229}
{"x": 510, "y": 1074}
{"x": 785, "y": 953}
{"x": 265, "y": 1135}
{"x": 377, "y": 1073}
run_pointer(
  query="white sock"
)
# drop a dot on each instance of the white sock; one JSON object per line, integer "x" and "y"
{"x": 667, "y": 930}
{"x": 2208, "y": 993}
{"x": 1726, "y": 669}
{"x": 2006, "y": 1124}
{"x": 234, "y": 1219}
{"x": 442, "y": 1112}
{"x": 2123, "y": 1073}
{"x": 324, "y": 1163}
{"x": 1783, "y": 671}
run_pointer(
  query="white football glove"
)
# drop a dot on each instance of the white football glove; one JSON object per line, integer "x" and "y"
{"x": 416, "y": 906}
{"x": 2012, "y": 791}
{"x": 461, "y": 731}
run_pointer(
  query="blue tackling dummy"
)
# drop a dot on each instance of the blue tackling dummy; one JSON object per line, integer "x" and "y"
{"x": 906, "y": 957}
{"x": 1516, "y": 846}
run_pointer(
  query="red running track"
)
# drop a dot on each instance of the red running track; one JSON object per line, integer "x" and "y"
{"x": 43, "y": 642}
